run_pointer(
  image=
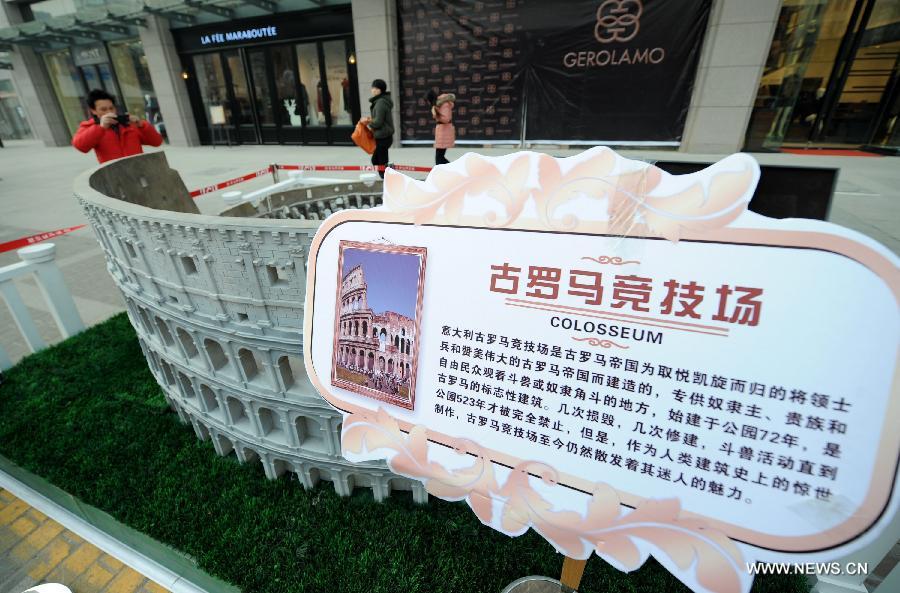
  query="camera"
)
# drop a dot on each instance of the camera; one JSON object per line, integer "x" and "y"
{"x": 123, "y": 119}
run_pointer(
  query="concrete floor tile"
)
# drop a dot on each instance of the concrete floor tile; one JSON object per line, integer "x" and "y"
{"x": 93, "y": 580}
{"x": 44, "y": 534}
{"x": 22, "y": 526}
{"x": 11, "y": 511}
{"x": 83, "y": 557}
{"x": 127, "y": 581}
{"x": 152, "y": 587}
{"x": 49, "y": 558}
{"x": 111, "y": 563}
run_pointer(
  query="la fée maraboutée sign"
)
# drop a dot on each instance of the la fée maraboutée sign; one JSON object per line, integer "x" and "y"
{"x": 629, "y": 362}
{"x": 240, "y": 35}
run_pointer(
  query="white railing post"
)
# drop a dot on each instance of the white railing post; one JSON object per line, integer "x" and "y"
{"x": 38, "y": 260}
{"x": 50, "y": 280}
{"x": 21, "y": 316}
{"x": 850, "y": 579}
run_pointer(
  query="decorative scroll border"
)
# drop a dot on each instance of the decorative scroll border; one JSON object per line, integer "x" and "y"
{"x": 712, "y": 199}
{"x": 696, "y": 549}
{"x": 600, "y": 343}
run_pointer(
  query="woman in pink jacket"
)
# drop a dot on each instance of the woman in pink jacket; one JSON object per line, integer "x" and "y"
{"x": 444, "y": 132}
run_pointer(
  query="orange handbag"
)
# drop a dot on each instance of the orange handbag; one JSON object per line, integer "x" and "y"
{"x": 363, "y": 137}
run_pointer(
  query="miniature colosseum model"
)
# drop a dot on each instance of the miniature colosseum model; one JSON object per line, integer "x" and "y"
{"x": 217, "y": 304}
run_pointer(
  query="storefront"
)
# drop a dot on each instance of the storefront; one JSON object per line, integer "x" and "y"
{"x": 13, "y": 122}
{"x": 118, "y": 67}
{"x": 832, "y": 78}
{"x": 280, "y": 79}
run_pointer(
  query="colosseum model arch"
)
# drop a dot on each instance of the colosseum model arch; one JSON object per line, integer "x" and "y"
{"x": 217, "y": 304}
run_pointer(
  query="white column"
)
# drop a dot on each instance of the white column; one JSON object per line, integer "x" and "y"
{"x": 734, "y": 54}
{"x": 377, "y": 52}
{"x": 171, "y": 90}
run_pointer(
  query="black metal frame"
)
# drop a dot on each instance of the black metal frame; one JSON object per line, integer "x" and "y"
{"x": 837, "y": 80}
{"x": 282, "y": 133}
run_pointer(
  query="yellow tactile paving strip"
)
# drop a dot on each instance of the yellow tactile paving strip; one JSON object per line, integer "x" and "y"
{"x": 35, "y": 549}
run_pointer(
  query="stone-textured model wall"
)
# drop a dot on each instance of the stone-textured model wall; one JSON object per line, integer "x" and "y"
{"x": 217, "y": 303}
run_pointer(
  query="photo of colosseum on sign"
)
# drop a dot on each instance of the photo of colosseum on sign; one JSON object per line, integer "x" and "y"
{"x": 377, "y": 320}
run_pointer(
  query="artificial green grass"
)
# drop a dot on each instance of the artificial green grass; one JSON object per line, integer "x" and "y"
{"x": 88, "y": 416}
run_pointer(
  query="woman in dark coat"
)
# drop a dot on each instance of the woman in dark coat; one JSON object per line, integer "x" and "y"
{"x": 381, "y": 123}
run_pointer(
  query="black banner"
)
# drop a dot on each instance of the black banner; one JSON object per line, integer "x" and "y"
{"x": 599, "y": 70}
{"x": 471, "y": 49}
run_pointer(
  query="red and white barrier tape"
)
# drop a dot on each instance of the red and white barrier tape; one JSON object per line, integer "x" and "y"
{"x": 25, "y": 241}
{"x": 217, "y": 186}
{"x": 371, "y": 168}
{"x": 30, "y": 240}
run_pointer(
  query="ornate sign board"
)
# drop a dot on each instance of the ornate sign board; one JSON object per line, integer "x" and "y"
{"x": 627, "y": 361}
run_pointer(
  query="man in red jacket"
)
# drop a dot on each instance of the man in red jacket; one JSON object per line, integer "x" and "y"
{"x": 109, "y": 138}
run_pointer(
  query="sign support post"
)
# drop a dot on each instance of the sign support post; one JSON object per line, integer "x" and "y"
{"x": 572, "y": 571}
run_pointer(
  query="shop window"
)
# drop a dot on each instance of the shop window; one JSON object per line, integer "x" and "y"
{"x": 133, "y": 74}
{"x": 67, "y": 85}
{"x": 293, "y": 98}
{"x": 242, "y": 113}
{"x": 338, "y": 82}
{"x": 212, "y": 84}
{"x": 258, "y": 70}
{"x": 311, "y": 88}
{"x": 13, "y": 123}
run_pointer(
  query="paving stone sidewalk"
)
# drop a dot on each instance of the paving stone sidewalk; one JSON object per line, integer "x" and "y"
{"x": 35, "y": 549}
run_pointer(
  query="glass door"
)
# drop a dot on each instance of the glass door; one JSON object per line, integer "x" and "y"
{"x": 312, "y": 94}
{"x": 830, "y": 78}
{"x": 215, "y": 103}
{"x": 806, "y": 43}
{"x": 887, "y": 134}
{"x": 242, "y": 110}
{"x": 868, "y": 79}
{"x": 289, "y": 94}
{"x": 263, "y": 95}
{"x": 341, "y": 93}
{"x": 291, "y": 106}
